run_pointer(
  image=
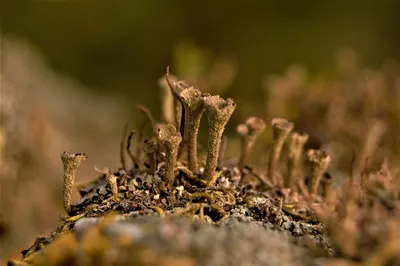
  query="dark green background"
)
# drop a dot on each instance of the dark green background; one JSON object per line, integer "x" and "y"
{"x": 126, "y": 45}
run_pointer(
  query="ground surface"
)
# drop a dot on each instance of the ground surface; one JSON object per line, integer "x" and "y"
{"x": 189, "y": 224}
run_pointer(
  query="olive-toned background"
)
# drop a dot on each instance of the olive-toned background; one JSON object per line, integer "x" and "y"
{"x": 126, "y": 45}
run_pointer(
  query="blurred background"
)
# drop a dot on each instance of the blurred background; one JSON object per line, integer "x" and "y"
{"x": 73, "y": 71}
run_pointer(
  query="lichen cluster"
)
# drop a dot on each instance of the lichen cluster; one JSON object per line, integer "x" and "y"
{"x": 356, "y": 223}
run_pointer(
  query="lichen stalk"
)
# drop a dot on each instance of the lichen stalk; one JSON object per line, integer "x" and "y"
{"x": 121, "y": 148}
{"x": 319, "y": 162}
{"x": 249, "y": 131}
{"x": 218, "y": 111}
{"x": 295, "y": 151}
{"x": 71, "y": 162}
{"x": 128, "y": 150}
{"x": 281, "y": 129}
{"x": 193, "y": 103}
{"x": 170, "y": 138}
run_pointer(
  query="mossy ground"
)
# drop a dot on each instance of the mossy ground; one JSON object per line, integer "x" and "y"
{"x": 142, "y": 197}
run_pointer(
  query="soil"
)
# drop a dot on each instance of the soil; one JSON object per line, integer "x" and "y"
{"x": 237, "y": 221}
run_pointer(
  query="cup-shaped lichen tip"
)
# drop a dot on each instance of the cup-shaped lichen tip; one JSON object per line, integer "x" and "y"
{"x": 242, "y": 130}
{"x": 219, "y": 109}
{"x": 255, "y": 126}
{"x": 168, "y": 135}
{"x": 296, "y": 144}
{"x": 192, "y": 99}
{"x": 281, "y": 126}
{"x": 318, "y": 157}
{"x": 73, "y": 159}
{"x": 319, "y": 161}
{"x": 149, "y": 147}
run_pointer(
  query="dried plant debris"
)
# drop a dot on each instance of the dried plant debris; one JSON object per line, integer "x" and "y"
{"x": 173, "y": 212}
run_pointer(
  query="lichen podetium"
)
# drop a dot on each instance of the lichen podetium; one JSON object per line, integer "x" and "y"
{"x": 170, "y": 138}
{"x": 219, "y": 112}
{"x": 71, "y": 162}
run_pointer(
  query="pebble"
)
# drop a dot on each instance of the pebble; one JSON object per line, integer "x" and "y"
{"x": 259, "y": 200}
{"x": 297, "y": 230}
{"x": 286, "y": 225}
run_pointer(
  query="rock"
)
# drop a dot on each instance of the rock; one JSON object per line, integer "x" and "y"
{"x": 172, "y": 242}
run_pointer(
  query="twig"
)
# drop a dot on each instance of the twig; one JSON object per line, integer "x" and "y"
{"x": 128, "y": 149}
{"x": 121, "y": 148}
{"x": 149, "y": 117}
{"x": 140, "y": 140}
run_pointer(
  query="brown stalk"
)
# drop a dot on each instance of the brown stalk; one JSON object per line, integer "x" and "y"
{"x": 128, "y": 149}
{"x": 374, "y": 136}
{"x": 319, "y": 162}
{"x": 249, "y": 131}
{"x": 345, "y": 230}
{"x": 170, "y": 138}
{"x": 193, "y": 104}
{"x": 219, "y": 112}
{"x": 71, "y": 162}
{"x": 121, "y": 148}
{"x": 296, "y": 146}
{"x": 139, "y": 140}
{"x": 281, "y": 129}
